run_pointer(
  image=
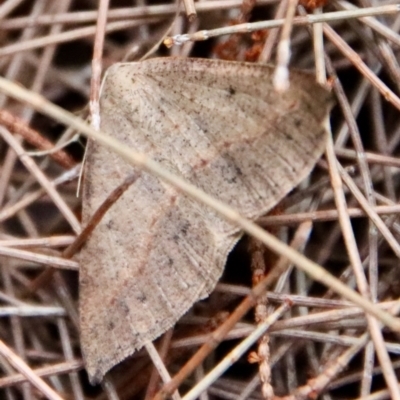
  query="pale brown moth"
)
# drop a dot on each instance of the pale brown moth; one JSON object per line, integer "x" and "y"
{"x": 221, "y": 126}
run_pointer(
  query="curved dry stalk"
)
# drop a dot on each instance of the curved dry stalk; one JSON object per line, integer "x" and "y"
{"x": 142, "y": 161}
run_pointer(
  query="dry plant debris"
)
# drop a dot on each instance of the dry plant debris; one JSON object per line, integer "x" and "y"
{"x": 343, "y": 217}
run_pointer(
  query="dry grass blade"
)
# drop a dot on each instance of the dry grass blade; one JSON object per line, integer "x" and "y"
{"x": 340, "y": 226}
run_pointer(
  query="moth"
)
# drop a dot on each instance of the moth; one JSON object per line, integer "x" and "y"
{"x": 221, "y": 126}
